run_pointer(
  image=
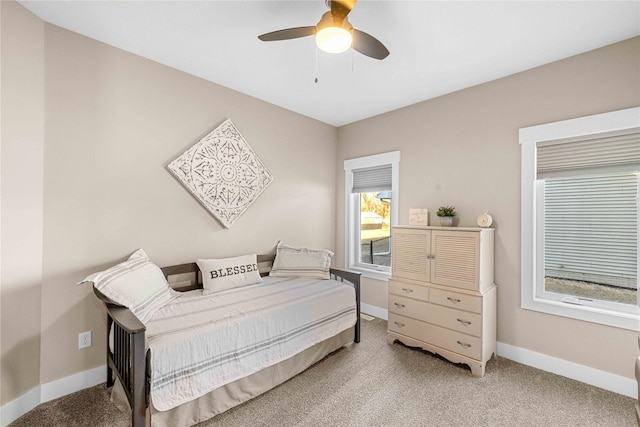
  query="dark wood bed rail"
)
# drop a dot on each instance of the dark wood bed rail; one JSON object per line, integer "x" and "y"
{"x": 128, "y": 360}
{"x": 126, "y": 357}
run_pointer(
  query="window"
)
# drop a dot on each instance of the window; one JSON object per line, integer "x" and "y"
{"x": 580, "y": 210}
{"x": 371, "y": 204}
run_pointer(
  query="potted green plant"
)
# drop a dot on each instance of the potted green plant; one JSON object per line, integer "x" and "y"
{"x": 446, "y": 214}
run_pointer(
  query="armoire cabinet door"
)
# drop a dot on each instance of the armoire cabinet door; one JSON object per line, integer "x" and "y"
{"x": 455, "y": 258}
{"x": 410, "y": 250}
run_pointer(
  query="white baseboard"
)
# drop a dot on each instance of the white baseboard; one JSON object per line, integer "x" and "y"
{"x": 374, "y": 311}
{"x": 595, "y": 377}
{"x": 20, "y": 406}
{"x": 73, "y": 383}
{"x": 49, "y": 391}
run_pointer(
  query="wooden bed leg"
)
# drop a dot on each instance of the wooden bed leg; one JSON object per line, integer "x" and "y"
{"x": 138, "y": 389}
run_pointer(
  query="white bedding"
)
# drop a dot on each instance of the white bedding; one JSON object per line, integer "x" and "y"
{"x": 201, "y": 342}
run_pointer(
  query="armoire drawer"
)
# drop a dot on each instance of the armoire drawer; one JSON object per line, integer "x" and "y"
{"x": 409, "y": 307}
{"x": 457, "y": 342}
{"x": 409, "y": 290}
{"x": 407, "y": 326}
{"x": 456, "y": 300}
{"x": 441, "y": 337}
{"x": 458, "y": 320}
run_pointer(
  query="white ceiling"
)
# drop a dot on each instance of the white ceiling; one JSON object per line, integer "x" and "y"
{"x": 437, "y": 47}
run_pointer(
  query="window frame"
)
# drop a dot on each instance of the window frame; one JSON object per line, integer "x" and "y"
{"x": 352, "y": 211}
{"x": 532, "y": 262}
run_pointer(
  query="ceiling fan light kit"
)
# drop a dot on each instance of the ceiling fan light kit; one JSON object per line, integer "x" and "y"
{"x": 332, "y": 36}
{"x": 333, "y": 39}
{"x": 334, "y": 33}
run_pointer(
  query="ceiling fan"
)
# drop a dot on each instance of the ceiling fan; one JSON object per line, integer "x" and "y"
{"x": 334, "y": 33}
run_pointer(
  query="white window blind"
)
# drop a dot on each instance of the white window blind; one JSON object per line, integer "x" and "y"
{"x": 372, "y": 179}
{"x": 596, "y": 155}
{"x": 591, "y": 229}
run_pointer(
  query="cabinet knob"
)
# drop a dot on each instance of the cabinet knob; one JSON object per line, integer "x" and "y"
{"x": 399, "y": 325}
{"x": 454, "y": 300}
{"x": 463, "y": 344}
{"x": 407, "y": 290}
{"x": 398, "y": 305}
{"x": 464, "y": 322}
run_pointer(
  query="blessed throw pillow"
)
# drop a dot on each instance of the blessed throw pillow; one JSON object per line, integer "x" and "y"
{"x": 227, "y": 273}
{"x": 136, "y": 283}
{"x": 301, "y": 262}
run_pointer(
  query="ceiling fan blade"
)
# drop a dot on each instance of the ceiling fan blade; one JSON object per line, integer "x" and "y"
{"x": 289, "y": 33}
{"x": 368, "y": 45}
{"x": 340, "y": 9}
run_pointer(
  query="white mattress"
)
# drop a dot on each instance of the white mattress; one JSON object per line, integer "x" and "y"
{"x": 201, "y": 342}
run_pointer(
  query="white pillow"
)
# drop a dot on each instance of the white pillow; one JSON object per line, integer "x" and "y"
{"x": 227, "y": 273}
{"x": 136, "y": 283}
{"x": 301, "y": 262}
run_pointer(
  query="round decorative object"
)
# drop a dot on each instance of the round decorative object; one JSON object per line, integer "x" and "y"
{"x": 485, "y": 220}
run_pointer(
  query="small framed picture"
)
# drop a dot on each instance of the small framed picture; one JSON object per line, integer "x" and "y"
{"x": 418, "y": 216}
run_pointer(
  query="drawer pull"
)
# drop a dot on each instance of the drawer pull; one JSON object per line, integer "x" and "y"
{"x": 398, "y": 305}
{"x": 464, "y": 344}
{"x": 464, "y": 322}
{"x": 399, "y": 325}
{"x": 454, "y": 300}
{"x": 407, "y": 290}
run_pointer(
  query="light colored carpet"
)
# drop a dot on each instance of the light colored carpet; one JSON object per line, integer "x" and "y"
{"x": 377, "y": 384}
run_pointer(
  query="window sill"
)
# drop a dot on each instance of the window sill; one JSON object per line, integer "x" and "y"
{"x": 372, "y": 274}
{"x": 591, "y": 314}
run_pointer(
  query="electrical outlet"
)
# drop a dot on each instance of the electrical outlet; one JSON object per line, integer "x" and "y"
{"x": 84, "y": 339}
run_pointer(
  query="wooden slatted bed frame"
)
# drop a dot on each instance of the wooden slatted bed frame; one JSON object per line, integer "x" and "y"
{"x": 127, "y": 359}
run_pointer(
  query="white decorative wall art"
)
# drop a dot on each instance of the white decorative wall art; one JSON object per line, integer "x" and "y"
{"x": 418, "y": 216}
{"x": 223, "y": 172}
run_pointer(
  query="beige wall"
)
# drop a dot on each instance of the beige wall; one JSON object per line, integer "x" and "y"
{"x": 114, "y": 120}
{"x": 462, "y": 149}
{"x": 112, "y": 123}
{"x": 21, "y": 170}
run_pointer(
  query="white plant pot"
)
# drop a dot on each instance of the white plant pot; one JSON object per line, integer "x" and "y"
{"x": 446, "y": 221}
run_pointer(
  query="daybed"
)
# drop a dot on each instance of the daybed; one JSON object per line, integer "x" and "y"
{"x": 133, "y": 346}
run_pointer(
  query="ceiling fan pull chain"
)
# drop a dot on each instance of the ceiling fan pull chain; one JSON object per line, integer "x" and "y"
{"x": 353, "y": 63}
{"x": 316, "y": 80}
